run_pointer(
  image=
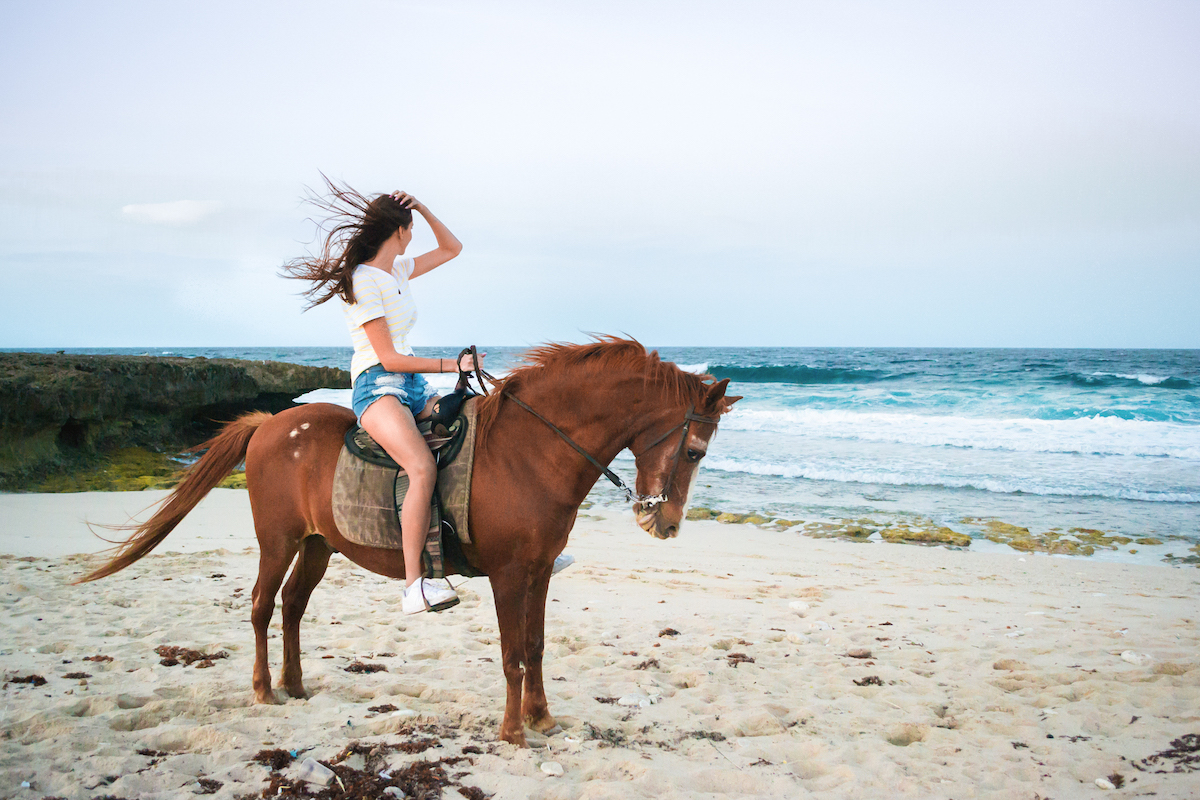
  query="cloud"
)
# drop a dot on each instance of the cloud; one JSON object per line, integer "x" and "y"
{"x": 178, "y": 212}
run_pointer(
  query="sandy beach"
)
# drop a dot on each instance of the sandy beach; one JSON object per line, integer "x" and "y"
{"x": 731, "y": 662}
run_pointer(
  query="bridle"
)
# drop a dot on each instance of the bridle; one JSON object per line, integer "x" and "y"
{"x": 646, "y": 501}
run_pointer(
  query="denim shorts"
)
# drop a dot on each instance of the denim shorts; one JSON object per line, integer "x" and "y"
{"x": 375, "y": 382}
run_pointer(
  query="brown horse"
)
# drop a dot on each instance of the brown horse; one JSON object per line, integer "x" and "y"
{"x": 527, "y": 486}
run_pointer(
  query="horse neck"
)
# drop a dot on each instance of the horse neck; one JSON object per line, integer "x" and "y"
{"x": 602, "y": 415}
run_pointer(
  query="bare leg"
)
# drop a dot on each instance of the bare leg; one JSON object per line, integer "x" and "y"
{"x": 392, "y": 425}
{"x": 273, "y": 562}
{"x": 309, "y": 569}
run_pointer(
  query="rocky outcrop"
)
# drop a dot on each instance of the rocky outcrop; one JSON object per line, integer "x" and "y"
{"x": 59, "y": 410}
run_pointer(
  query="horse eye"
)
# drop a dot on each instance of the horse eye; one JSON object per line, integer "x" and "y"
{"x": 694, "y": 455}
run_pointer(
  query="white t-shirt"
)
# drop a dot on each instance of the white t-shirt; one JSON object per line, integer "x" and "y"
{"x": 380, "y": 294}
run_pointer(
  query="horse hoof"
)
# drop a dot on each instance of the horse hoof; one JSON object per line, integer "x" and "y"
{"x": 267, "y": 698}
{"x": 518, "y": 740}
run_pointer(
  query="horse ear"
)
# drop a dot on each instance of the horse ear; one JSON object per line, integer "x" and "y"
{"x": 716, "y": 400}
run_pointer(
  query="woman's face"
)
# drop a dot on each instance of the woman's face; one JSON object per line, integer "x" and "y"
{"x": 404, "y": 235}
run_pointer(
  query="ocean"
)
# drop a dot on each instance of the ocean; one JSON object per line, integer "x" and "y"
{"x": 1044, "y": 439}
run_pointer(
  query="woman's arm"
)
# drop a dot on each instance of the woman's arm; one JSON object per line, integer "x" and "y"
{"x": 448, "y": 245}
{"x": 381, "y": 342}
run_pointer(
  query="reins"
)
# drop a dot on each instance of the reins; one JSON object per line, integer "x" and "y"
{"x": 464, "y": 384}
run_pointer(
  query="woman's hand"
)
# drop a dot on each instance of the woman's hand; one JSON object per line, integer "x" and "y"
{"x": 468, "y": 363}
{"x": 408, "y": 201}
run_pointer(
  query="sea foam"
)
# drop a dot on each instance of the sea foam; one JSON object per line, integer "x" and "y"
{"x": 1099, "y": 435}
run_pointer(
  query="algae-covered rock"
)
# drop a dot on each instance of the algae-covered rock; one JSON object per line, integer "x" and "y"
{"x": 1149, "y": 540}
{"x": 60, "y": 412}
{"x": 235, "y": 481}
{"x": 1002, "y": 529}
{"x": 1069, "y": 548}
{"x": 127, "y": 469}
{"x": 700, "y": 512}
{"x": 730, "y": 518}
{"x": 942, "y": 535}
{"x": 756, "y": 519}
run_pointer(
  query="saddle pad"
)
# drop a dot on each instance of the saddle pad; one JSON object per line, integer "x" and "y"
{"x": 367, "y": 498}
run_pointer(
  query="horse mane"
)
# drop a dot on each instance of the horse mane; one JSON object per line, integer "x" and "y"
{"x": 603, "y": 355}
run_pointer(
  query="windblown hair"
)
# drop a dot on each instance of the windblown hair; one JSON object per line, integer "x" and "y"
{"x": 606, "y": 354}
{"x": 355, "y": 229}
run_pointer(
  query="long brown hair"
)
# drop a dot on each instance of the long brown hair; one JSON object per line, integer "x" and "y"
{"x": 355, "y": 229}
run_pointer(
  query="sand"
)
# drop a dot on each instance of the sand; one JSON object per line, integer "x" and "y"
{"x": 800, "y": 668}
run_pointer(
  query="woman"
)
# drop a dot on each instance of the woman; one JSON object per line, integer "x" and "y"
{"x": 363, "y": 263}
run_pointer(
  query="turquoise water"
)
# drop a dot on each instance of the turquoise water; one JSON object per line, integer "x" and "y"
{"x": 1105, "y": 439}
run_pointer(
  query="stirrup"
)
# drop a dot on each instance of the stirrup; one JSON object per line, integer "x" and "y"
{"x": 442, "y": 605}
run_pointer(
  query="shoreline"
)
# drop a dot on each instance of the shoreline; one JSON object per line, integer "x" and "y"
{"x": 985, "y": 534}
{"x": 995, "y": 674}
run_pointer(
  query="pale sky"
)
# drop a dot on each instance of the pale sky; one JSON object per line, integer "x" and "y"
{"x": 752, "y": 173}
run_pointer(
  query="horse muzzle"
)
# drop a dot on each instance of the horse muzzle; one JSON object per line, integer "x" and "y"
{"x": 651, "y": 522}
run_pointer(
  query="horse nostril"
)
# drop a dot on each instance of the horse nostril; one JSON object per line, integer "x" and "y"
{"x": 671, "y": 531}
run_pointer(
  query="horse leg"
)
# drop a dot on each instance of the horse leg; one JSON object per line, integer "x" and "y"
{"x": 534, "y": 708}
{"x": 510, "y": 587}
{"x": 309, "y": 569}
{"x": 273, "y": 561}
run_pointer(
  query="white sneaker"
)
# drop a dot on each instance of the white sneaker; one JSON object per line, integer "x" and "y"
{"x": 561, "y": 562}
{"x": 427, "y": 595}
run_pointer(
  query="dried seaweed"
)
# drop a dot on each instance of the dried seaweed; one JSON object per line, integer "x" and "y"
{"x": 608, "y": 737}
{"x": 383, "y": 709}
{"x": 649, "y": 662}
{"x": 32, "y": 680}
{"x": 421, "y": 780}
{"x": 739, "y": 658}
{"x": 1184, "y": 751}
{"x": 172, "y": 655}
{"x": 274, "y": 760}
{"x": 359, "y": 667}
{"x": 78, "y": 676}
{"x": 98, "y": 658}
{"x": 667, "y": 632}
{"x": 870, "y": 680}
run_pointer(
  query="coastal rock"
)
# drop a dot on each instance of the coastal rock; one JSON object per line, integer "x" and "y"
{"x": 942, "y": 535}
{"x": 57, "y": 411}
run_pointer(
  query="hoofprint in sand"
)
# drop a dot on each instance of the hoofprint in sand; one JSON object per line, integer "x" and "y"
{"x": 732, "y": 662}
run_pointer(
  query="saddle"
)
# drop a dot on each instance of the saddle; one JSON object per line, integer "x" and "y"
{"x": 369, "y": 489}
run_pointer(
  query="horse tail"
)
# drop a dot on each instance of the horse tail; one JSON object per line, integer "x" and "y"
{"x": 225, "y": 451}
